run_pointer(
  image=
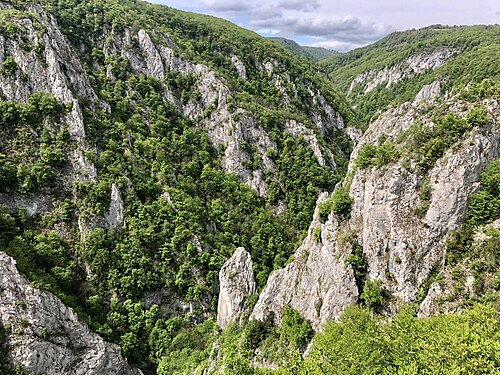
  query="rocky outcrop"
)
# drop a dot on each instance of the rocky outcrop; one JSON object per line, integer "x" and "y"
{"x": 227, "y": 127}
{"x": 33, "y": 204}
{"x": 411, "y": 67}
{"x": 115, "y": 217}
{"x": 428, "y": 92}
{"x": 319, "y": 283}
{"x": 456, "y": 285}
{"x": 400, "y": 248}
{"x": 44, "y": 336}
{"x": 240, "y": 67}
{"x": 237, "y": 283}
{"x": 297, "y": 129}
{"x": 45, "y": 62}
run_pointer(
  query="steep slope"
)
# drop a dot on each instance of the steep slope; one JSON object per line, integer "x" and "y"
{"x": 380, "y": 237}
{"x": 320, "y": 53}
{"x": 45, "y": 336}
{"x": 394, "y": 69}
{"x": 141, "y": 146}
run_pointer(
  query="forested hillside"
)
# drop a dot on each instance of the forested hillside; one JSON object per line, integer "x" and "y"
{"x": 187, "y": 197}
{"x": 394, "y": 69}
{"x": 141, "y": 145}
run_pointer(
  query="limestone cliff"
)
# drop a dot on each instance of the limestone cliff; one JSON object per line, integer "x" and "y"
{"x": 127, "y": 195}
{"x": 45, "y": 336}
{"x": 318, "y": 282}
{"x": 412, "y": 66}
{"x": 400, "y": 246}
{"x": 140, "y": 128}
{"x": 53, "y": 67}
{"x": 228, "y": 126}
{"x": 236, "y": 285}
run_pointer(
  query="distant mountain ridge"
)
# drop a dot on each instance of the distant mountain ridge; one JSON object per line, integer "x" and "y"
{"x": 394, "y": 69}
{"x": 313, "y": 53}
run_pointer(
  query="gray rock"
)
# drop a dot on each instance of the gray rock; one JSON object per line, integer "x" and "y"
{"x": 225, "y": 126}
{"x": 115, "y": 216}
{"x": 240, "y": 67}
{"x": 46, "y": 337}
{"x": 296, "y": 129}
{"x": 399, "y": 247}
{"x": 318, "y": 283}
{"x": 152, "y": 56}
{"x": 33, "y": 204}
{"x": 56, "y": 70}
{"x": 414, "y": 65}
{"x": 237, "y": 283}
{"x": 428, "y": 92}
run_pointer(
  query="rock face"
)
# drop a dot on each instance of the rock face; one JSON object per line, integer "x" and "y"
{"x": 55, "y": 69}
{"x": 412, "y": 66}
{"x": 450, "y": 293}
{"x": 46, "y": 337}
{"x": 115, "y": 216}
{"x": 399, "y": 247}
{"x": 428, "y": 92}
{"x": 236, "y": 285}
{"x": 318, "y": 283}
{"x": 228, "y": 127}
{"x": 33, "y": 205}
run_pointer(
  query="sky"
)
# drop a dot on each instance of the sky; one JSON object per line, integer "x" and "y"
{"x": 341, "y": 24}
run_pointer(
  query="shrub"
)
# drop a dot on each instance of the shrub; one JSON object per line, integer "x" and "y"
{"x": 370, "y": 155}
{"x": 9, "y": 66}
{"x": 340, "y": 203}
{"x": 485, "y": 205}
{"x": 366, "y": 155}
{"x": 465, "y": 343}
{"x": 295, "y": 329}
{"x": 478, "y": 116}
{"x": 373, "y": 295}
{"x": 358, "y": 263}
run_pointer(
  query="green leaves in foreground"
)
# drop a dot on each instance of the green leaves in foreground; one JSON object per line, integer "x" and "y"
{"x": 366, "y": 344}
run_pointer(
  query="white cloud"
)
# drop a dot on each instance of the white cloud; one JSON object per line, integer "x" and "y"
{"x": 268, "y": 31}
{"x": 348, "y": 29}
{"x": 300, "y": 5}
{"x": 344, "y": 22}
{"x": 299, "y": 17}
{"x": 228, "y": 5}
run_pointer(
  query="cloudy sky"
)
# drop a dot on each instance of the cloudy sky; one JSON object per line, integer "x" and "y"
{"x": 341, "y": 24}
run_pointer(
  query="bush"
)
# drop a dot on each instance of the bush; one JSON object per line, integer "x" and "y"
{"x": 478, "y": 116}
{"x": 340, "y": 203}
{"x": 255, "y": 332}
{"x": 364, "y": 343}
{"x": 485, "y": 205}
{"x": 373, "y": 295}
{"x": 295, "y": 329}
{"x": 9, "y": 66}
{"x": 366, "y": 156}
{"x": 370, "y": 155}
{"x": 358, "y": 264}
